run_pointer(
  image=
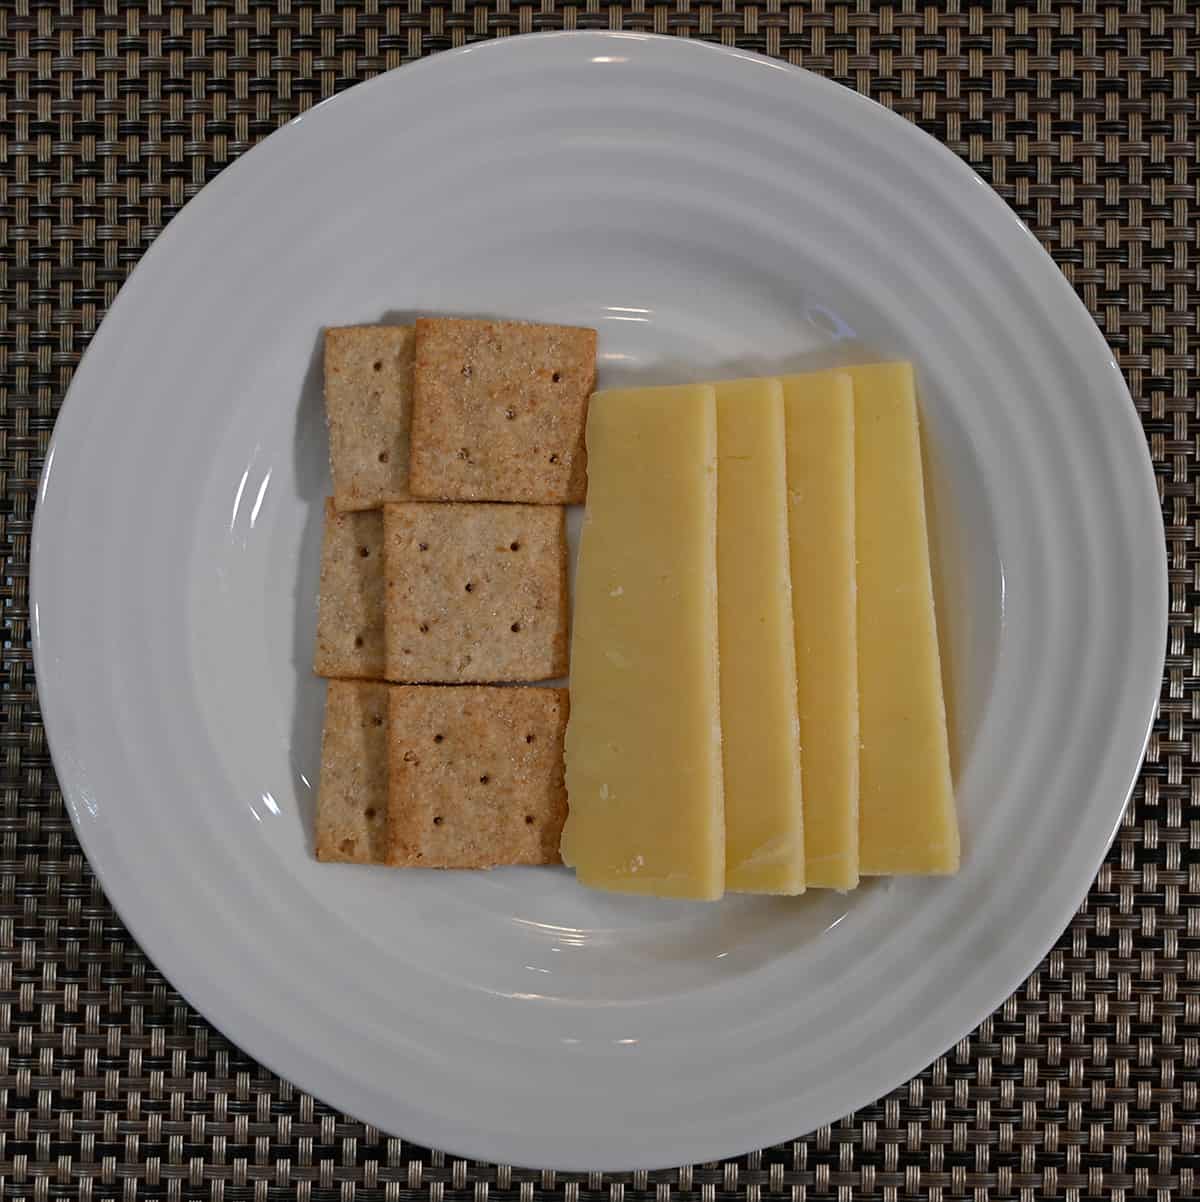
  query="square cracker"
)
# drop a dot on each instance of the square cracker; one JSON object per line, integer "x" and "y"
{"x": 475, "y": 593}
{"x": 368, "y": 400}
{"x": 352, "y": 799}
{"x": 350, "y": 639}
{"x": 499, "y": 409}
{"x": 476, "y": 776}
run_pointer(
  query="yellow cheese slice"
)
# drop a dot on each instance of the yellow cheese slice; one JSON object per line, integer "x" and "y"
{"x": 760, "y": 730}
{"x": 643, "y": 743}
{"x": 819, "y": 415}
{"x": 907, "y": 822}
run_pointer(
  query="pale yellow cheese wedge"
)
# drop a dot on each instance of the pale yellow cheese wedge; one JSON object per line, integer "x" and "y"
{"x": 643, "y": 743}
{"x": 819, "y": 415}
{"x": 907, "y": 822}
{"x": 760, "y": 728}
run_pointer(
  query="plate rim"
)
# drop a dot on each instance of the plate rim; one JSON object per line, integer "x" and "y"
{"x": 51, "y": 696}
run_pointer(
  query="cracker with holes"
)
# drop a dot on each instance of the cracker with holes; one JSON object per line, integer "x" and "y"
{"x": 350, "y": 640}
{"x": 352, "y": 799}
{"x": 499, "y": 409}
{"x": 475, "y": 776}
{"x": 474, "y": 593}
{"x": 368, "y": 396}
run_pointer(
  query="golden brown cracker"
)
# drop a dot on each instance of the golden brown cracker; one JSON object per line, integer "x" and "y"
{"x": 352, "y": 800}
{"x": 350, "y": 636}
{"x": 476, "y": 776}
{"x": 499, "y": 409}
{"x": 368, "y": 400}
{"x": 475, "y": 593}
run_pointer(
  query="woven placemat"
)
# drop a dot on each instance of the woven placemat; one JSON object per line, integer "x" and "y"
{"x": 1084, "y": 116}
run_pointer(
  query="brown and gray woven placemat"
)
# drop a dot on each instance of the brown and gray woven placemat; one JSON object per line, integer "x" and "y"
{"x": 1084, "y": 116}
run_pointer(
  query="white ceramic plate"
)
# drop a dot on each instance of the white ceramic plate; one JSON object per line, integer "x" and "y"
{"x": 713, "y": 214}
